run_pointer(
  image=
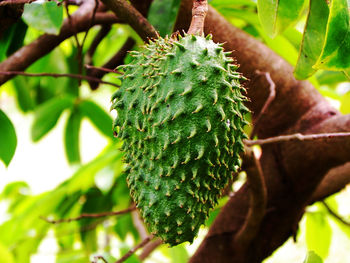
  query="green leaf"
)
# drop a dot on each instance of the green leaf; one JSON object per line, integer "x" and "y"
{"x": 76, "y": 256}
{"x": 336, "y": 48}
{"x": 23, "y": 93}
{"x": 162, "y": 15}
{"x": 71, "y": 137}
{"x": 282, "y": 47}
{"x": 124, "y": 226}
{"x": 20, "y": 29}
{"x": 15, "y": 189}
{"x": 101, "y": 120}
{"x": 8, "y": 139}
{"x": 12, "y": 39}
{"x": 47, "y": 16}
{"x": 47, "y": 115}
{"x": 276, "y": 15}
{"x": 345, "y": 104}
{"x": 318, "y": 233}
{"x": 312, "y": 257}
{"x": 330, "y": 78}
{"x": 179, "y": 254}
{"x": 314, "y": 35}
{"x": 5, "y": 41}
{"x": 6, "y": 255}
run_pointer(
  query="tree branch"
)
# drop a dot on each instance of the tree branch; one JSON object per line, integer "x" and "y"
{"x": 15, "y": 2}
{"x": 258, "y": 201}
{"x": 28, "y": 54}
{"x": 335, "y": 180}
{"x": 58, "y": 75}
{"x": 134, "y": 18}
{"x": 96, "y": 258}
{"x": 149, "y": 248}
{"x": 334, "y": 214}
{"x": 133, "y": 250}
{"x": 93, "y": 215}
{"x": 268, "y": 101}
{"x": 106, "y": 70}
{"x": 297, "y": 137}
{"x": 113, "y": 62}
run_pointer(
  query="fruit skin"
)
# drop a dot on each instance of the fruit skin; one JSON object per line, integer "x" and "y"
{"x": 181, "y": 117}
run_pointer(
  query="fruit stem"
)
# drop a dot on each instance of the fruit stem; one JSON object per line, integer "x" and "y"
{"x": 199, "y": 11}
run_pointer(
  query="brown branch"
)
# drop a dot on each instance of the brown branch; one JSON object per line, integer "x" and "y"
{"x": 335, "y": 180}
{"x": 58, "y": 75}
{"x": 81, "y": 46}
{"x": 106, "y": 70}
{"x": 28, "y": 54}
{"x": 93, "y": 215}
{"x": 138, "y": 223}
{"x": 134, "y": 18}
{"x": 149, "y": 248}
{"x": 96, "y": 258}
{"x": 91, "y": 22}
{"x": 258, "y": 201}
{"x": 269, "y": 100}
{"x": 16, "y": 2}
{"x": 334, "y": 214}
{"x": 133, "y": 250}
{"x": 199, "y": 11}
{"x": 297, "y": 137}
{"x": 115, "y": 61}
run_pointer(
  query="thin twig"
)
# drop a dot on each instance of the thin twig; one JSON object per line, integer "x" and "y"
{"x": 58, "y": 75}
{"x": 296, "y": 137}
{"x": 43, "y": 45}
{"x": 91, "y": 23}
{"x": 334, "y": 214}
{"x": 103, "y": 69}
{"x": 96, "y": 258}
{"x": 93, "y": 215}
{"x": 133, "y": 250}
{"x": 199, "y": 12}
{"x": 149, "y": 248}
{"x": 258, "y": 201}
{"x": 269, "y": 100}
{"x": 133, "y": 17}
{"x": 16, "y": 2}
{"x": 80, "y": 49}
{"x": 139, "y": 225}
{"x": 113, "y": 62}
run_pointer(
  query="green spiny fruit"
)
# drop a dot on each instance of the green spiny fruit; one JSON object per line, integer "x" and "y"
{"x": 181, "y": 117}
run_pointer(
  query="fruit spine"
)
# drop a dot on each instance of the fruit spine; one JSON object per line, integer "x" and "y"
{"x": 181, "y": 117}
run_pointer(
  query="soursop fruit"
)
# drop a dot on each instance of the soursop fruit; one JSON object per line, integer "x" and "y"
{"x": 181, "y": 117}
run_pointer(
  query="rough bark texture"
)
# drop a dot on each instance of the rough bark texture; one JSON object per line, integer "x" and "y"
{"x": 292, "y": 170}
{"x": 134, "y": 18}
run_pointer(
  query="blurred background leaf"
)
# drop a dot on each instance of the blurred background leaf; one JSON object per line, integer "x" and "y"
{"x": 275, "y": 16}
{"x": 47, "y": 114}
{"x": 312, "y": 257}
{"x": 162, "y": 15}
{"x": 46, "y": 16}
{"x": 8, "y": 139}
